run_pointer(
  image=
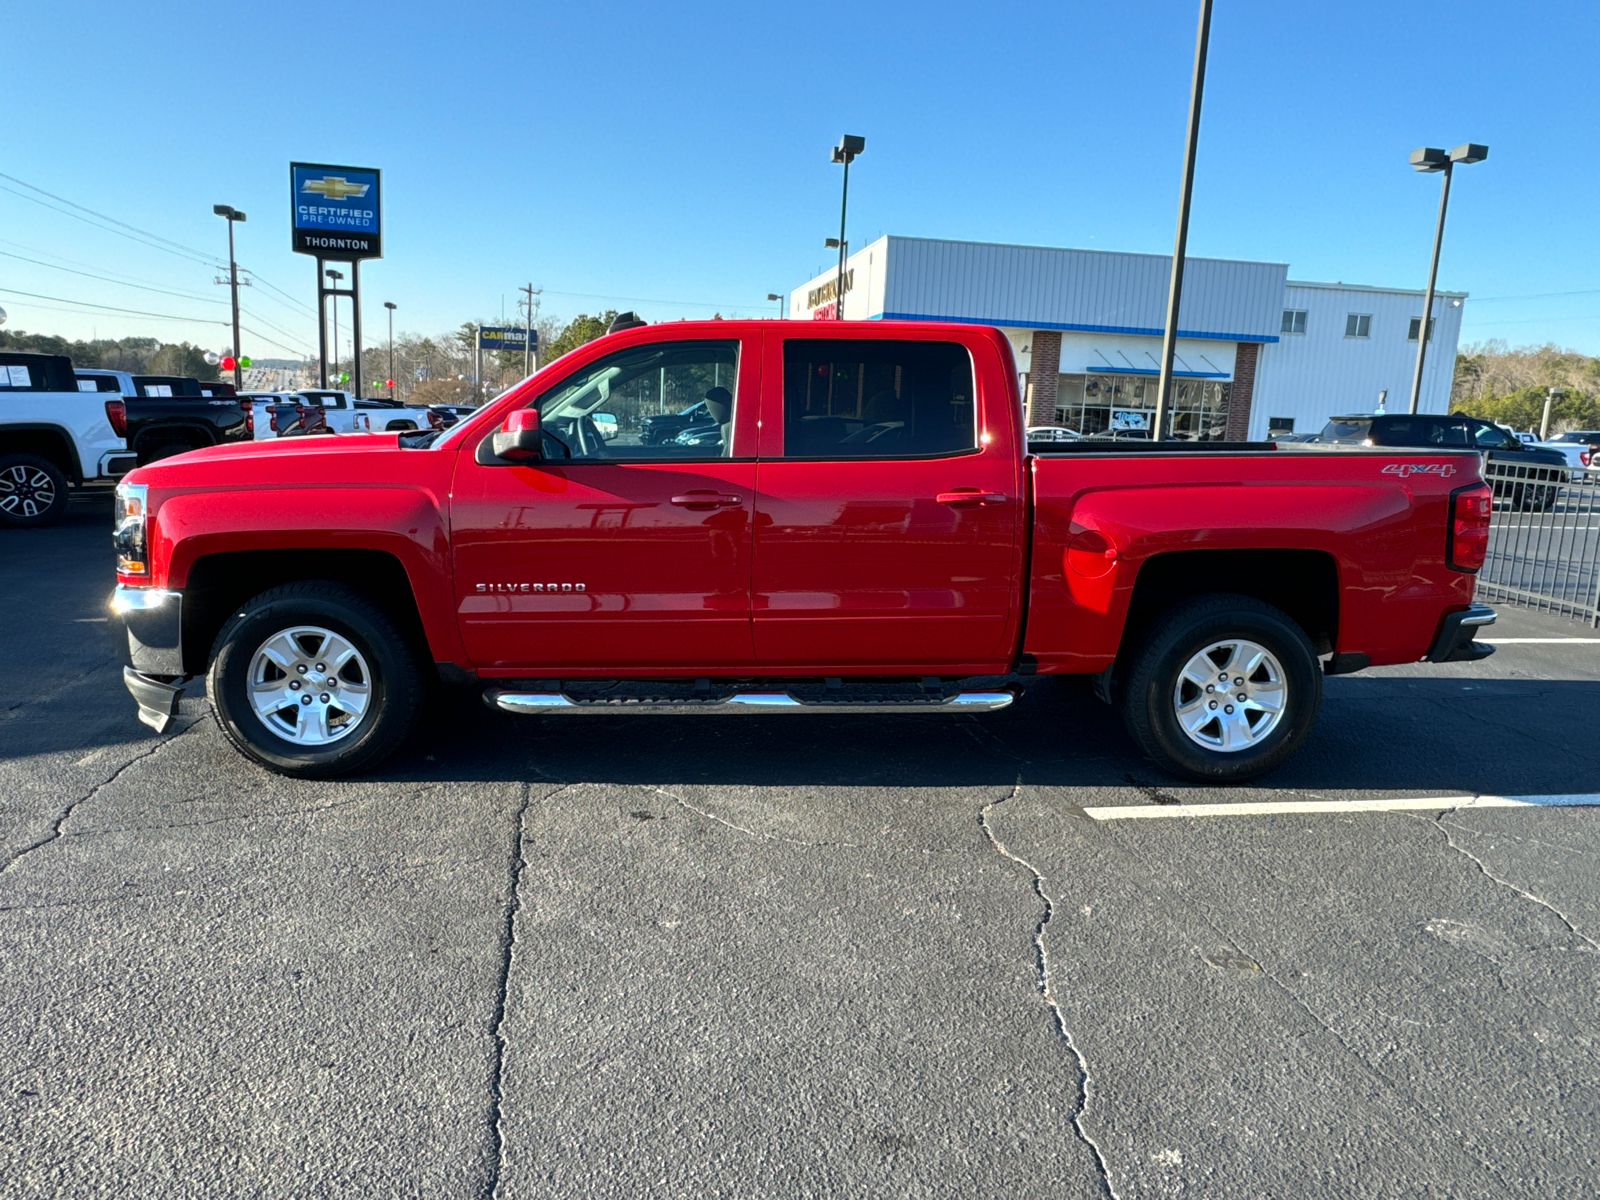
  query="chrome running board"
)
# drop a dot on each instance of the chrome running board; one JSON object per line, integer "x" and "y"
{"x": 740, "y": 703}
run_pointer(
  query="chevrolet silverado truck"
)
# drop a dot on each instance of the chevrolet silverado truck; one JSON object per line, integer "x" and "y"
{"x": 53, "y": 437}
{"x": 869, "y": 533}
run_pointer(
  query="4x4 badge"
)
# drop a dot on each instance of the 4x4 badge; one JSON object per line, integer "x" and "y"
{"x": 1442, "y": 470}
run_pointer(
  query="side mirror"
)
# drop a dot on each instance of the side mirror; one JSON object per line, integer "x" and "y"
{"x": 519, "y": 439}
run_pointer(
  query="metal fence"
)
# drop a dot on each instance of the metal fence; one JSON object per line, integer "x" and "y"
{"x": 1544, "y": 540}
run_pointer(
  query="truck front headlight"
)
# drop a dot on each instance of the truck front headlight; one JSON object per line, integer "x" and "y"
{"x": 129, "y": 534}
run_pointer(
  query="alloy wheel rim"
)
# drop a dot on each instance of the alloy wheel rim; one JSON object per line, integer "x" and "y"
{"x": 26, "y": 491}
{"x": 1230, "y": 696}
{"x": 309, "y": 686}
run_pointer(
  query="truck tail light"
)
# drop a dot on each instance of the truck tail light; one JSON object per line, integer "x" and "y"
{"x": 1469, "y": 526}
{"x": 117, "y": 414}
{"x": 130, "y": 534}
{"x": 1586, "y": 457}
{"x": 249, "y": 416}
{"x": 272, "y": 418}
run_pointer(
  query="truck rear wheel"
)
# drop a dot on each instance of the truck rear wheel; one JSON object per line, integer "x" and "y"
{"x": 1224, "y": 688}
{"x": 33, "y": 491}
{"x": 314, "y": 681}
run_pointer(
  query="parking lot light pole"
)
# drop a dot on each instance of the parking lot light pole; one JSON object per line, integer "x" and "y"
{"x": 1169, "y": 336}
{"x": 389, "y": 304}
{"x": 1430, "y": 161}
{"x": 233, "y": 214}
{"x": 845, "y": 152}
{"x": 779, "y": 299}
{"x": 336, "y": 276}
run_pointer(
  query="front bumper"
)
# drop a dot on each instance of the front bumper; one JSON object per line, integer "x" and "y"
{"x": 151, "y": 647}
{"x": 1453, "y": 642}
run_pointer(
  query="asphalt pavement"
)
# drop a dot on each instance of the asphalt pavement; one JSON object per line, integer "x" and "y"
{"x": 897, "y": 956}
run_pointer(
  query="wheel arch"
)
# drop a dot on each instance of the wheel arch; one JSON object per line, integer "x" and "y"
{"x": 218, "y": 583}
{"x": 1304, "y": 584}
{"x": 50, "y": 442}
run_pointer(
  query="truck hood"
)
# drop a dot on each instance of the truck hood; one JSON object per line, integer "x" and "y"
{"x": 296, "y": 458}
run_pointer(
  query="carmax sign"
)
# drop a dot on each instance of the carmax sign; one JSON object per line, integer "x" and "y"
{"x": 335, "y": 211}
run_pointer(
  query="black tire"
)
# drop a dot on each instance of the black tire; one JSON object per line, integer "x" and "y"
{"x": 163, "y": 450}
{"x": 33, "y": 491}
{"x": 1149, "y": 688}
{"x": 396, "y": 690}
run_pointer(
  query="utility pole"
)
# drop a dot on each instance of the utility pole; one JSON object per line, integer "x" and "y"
{"x": 1191, "y": 142}
{"x": 233, "y": 214}
{"x": 527, "y": 333}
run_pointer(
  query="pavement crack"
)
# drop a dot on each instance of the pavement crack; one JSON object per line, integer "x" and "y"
{"x": 1440, "y": 824}
{"x": 1042, "y": 982}
{"x": 64, "y": 814}
{"x": 757, "y": 834}
{"x": 507, "y": 946}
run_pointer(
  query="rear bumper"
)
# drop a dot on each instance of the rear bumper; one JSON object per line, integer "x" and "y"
{"x": 1453, "y": 642}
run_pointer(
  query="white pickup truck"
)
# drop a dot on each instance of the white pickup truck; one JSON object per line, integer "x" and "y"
{"x": 53, "y": 437}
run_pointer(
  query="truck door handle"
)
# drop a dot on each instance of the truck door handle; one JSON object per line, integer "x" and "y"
{"x": 970, "y": 496}
{"x": 707, "y": 500}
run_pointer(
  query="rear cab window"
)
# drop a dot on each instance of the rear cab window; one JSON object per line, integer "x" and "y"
{"x": 877, "y": 399}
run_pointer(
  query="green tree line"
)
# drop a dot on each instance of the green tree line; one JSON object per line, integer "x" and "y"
{"x": 1509, "y": 384}
{"x": 138, "y": 355}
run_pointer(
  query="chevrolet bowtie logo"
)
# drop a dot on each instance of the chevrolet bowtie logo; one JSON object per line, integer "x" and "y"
{"x": 335, "y": 187}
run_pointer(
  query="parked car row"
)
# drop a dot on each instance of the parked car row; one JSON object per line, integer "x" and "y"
{"x": 63, "y": 427}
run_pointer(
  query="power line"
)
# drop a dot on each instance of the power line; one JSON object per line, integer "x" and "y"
{"x": 1538, "y": 296}
{"x": 118, "y": 282}
{"x": 109, "y": 308}
{"x": 133, "y": 316}
{"x": 269, "y": 341}
{"x": 144, "y": 233}
{"x": 268, "y": 283}
{"x": 650, "y": 300}
{"x": 269, "y": 325}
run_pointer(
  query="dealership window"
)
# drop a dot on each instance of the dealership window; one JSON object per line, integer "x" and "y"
{"x": 1358, "y": 325}
{"x": 1416, "y": 323}
{"x": 876, "y": 398}
{"x": 1294, "y": 320}
{"x": 1123, "y": 406}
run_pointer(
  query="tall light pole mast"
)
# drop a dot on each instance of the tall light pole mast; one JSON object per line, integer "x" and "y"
{"x": 389, "y": 304}
{"x": 1430, "y": 160}
{"x": 336, "y": 276}
{"x": 1180, "y": 247}
{"x": 233, "y": 214}
{"x": 845, "y": 152}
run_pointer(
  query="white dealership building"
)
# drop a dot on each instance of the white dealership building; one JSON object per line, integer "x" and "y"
{"x": 1256, "y": 350}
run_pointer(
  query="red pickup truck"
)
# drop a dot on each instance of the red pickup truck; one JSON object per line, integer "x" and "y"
{"x": 860, "y": 527}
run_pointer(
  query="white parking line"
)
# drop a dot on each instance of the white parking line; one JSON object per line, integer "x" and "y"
{"x": 1542, "y": 641}
{"x": 1267, "y": 808}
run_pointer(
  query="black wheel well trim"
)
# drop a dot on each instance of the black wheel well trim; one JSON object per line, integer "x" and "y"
{"x": 1303, "y": 584}
{"x": 58, "y": 437}
{"x": 217, "y": 584}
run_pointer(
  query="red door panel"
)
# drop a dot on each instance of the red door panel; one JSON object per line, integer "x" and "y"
{"x": 905, "y": 565}
{"x": 604, "y": 566}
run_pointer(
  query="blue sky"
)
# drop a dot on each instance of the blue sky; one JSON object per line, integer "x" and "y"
{"x": 674, "y": 158}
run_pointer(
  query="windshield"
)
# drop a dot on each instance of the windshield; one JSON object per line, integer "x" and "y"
{"x": 1345, "y": 430}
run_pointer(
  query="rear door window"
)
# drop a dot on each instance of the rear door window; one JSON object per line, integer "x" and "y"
{"x": 881, "y": 399}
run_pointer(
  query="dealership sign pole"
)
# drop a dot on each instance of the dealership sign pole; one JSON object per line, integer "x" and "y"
{"x": 336, "y": 216}
{"x": 1169, "y": 337}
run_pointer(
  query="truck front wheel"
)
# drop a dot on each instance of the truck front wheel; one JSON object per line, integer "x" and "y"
{"x": 1224, "y": 688}
{"x": 313, "y": 680}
